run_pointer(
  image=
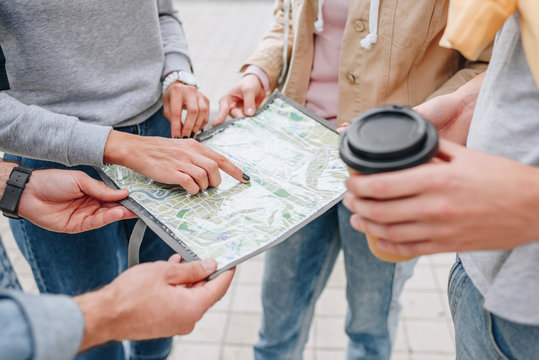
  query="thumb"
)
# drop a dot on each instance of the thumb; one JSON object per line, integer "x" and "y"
{"x": 175, "y": 259}
{"x": 98, "y": 189}
{"x": 188, "y": 273}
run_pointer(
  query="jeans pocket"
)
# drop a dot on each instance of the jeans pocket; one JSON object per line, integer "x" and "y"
{"x": 493, "y": 338}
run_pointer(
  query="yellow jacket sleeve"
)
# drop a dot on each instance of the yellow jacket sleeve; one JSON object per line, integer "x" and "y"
{"x": 473, "y": 24}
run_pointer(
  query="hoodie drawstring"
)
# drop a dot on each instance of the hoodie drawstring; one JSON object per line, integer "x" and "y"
{"x": 372, "y": 37}
{"x": 284, "y": 69}
{"x": 319, "y": 24}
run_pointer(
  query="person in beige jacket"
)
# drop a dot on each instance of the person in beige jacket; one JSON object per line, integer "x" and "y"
{"x": 341, "y": 58}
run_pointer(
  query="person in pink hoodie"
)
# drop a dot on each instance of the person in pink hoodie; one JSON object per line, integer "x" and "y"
{"x": 342, "y": 57}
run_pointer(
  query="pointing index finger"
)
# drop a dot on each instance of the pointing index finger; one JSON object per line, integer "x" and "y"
{"x": 226, "y": 165}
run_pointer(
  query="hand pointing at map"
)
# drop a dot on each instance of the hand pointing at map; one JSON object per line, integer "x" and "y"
{"x": 184, "y": 162}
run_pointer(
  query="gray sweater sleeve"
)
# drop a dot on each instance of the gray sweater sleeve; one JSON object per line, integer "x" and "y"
{"x": 34, "y": 132}
{"x": 174, "y": 42}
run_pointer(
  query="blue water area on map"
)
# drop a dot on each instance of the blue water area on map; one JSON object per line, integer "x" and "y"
{"x": 160, "y": 195}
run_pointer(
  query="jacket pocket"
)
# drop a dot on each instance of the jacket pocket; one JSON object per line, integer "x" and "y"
{"x": 413, "y": 20}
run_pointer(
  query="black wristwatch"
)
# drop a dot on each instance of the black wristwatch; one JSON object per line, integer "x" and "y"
{"x": 14, "y": 187}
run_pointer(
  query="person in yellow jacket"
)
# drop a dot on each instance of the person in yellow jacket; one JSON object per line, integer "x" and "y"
{"x": 481, "y": 200}
{"x": 342, "y": 57}
{"x": 472, "y": 25}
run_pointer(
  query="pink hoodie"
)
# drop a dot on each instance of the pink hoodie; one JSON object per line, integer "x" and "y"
{"x": 323, "y": 92}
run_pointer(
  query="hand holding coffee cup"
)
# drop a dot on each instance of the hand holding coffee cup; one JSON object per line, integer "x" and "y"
{"x": 383, "y": 139}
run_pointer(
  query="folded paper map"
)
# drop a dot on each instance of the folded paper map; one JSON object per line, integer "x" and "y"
{"x": 296, "y": 175}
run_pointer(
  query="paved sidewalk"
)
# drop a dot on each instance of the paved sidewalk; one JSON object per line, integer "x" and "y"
{"x": 222, "y": 33}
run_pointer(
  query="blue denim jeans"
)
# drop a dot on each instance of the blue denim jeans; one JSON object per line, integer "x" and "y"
{"x": 480, "y": 334}
{"x": 297, "y": 271}
{"x": 75, "y": 263}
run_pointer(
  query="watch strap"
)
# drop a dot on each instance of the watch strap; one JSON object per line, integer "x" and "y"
{"x": 9, "y": 204}
{"x": 177, "y": 76}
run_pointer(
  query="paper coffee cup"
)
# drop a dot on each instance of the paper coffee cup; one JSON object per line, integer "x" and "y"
{"x": 383, "y": 139}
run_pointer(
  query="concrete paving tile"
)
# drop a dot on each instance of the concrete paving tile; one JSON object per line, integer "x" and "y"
{"x": 9, "y": 241}
{"x": 16, "y": 258}
{"x": 443, "y": 259}
{"x": 332, "y": 302}
{"x": 4, "y": 225}
{"x": 250, "y": 272}
{"x": 401, "y": 340}
{"x": 311, "y": 339}
{"x": 195, "y": 352}
{"x": 330, "y": 333}
{"x": 28, "y": 283}
{"x": 247, "y": 299}
{"x": 451, "y": 328}
{"x": 22, "y": 268}
{"x": 323, "y": 354}
{"x": 258, "y": 258}
{"x": 225, "y": 303}
{"x": 242, "y": 329}
{"x": 236, "y": 352}
{"x": 441, "y": 273}
{"x": 423, "y": 279}
{"x": 423, "y": 261}
{"x": 400, "y": 355}
{"x": 423, "y": 305}
{"x": 431, "y": 336}
{"x": 309, "y": 354}
{"x": 337, "y": 279}
{"x": 431, "y": 356}
{"x": 210, "y": 329}
{"x": 219, "y": 50}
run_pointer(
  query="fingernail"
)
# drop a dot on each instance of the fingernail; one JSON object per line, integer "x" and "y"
{"x": 192, "y": 134}
{"x": 208, "y": 264}
{"x": 246, "y": 177}
{"x": 185, "y": 137}
{"x": 176, "y": 137}
{"x": 201, "y": 131}
{"x": 250, "y": 111}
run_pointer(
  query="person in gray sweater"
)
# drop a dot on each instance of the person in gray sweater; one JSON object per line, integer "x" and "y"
{"x": 87, "y": 79}
{"x": 43, "y": 327}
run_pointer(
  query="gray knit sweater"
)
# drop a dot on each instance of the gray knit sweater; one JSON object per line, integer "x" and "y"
{"x": 77, "y": 68}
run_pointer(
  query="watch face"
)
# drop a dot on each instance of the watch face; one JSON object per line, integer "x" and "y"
{"x": 187, "y": 78}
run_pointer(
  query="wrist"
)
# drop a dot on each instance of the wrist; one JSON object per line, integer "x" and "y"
{"x": 5, "y": 171}
{"x": 183, "y": 77}
{"x": 100, "y": 318}
{"x": 13, "y": 190}
{"x": 260, "y": 74}
{"x": 30, "y": 193}
{"x": 118, "y": 147}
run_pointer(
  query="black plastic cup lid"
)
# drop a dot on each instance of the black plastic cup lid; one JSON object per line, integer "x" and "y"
{"x": 388, "y": 138}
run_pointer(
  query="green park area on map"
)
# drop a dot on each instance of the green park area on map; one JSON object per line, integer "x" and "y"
{"x": 295, "y": 172}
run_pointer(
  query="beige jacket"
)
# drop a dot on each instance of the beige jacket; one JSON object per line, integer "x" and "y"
{"x": 405, "y": 66}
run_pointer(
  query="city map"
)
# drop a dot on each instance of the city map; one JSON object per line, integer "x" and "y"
{"x": 296, "y": 175}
